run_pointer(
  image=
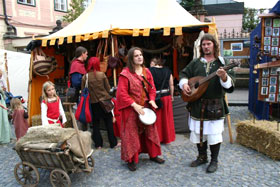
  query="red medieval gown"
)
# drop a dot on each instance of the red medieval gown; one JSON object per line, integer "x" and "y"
{"x": 136, "y": 137}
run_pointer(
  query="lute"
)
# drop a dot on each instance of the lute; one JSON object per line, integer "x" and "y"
{"x": 199, "y": 84}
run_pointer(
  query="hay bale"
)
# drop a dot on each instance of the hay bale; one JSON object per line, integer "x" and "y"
{"x": 261, "y": 136}
{"x": 36, "y": 120}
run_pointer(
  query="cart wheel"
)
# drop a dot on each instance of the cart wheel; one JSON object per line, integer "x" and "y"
{"x": 91, "y": 161}
{"x": 26, "y": 174}
{"x": 58, "y": 177}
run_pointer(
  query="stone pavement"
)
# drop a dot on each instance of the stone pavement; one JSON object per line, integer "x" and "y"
{"x": 238, "y": 166}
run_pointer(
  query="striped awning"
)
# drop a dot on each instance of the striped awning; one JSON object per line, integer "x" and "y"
{"x": 126, "y": 17}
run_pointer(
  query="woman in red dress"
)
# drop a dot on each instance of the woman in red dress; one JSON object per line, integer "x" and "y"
{"x": 131, "y": 98}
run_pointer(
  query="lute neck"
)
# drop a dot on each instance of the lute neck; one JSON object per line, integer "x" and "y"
{"x": 213, "y": 74}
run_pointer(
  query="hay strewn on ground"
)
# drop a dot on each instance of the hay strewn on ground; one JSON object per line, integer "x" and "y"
{"x": 36, "y": 120}
{"x": 261, "y": 136}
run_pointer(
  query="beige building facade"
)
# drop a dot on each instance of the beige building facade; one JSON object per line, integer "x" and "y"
{"x": 29, "y": 18}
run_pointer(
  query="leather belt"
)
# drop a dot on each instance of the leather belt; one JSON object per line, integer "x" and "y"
{"x": 201, "y": 123}
{"x": 163, "y": 91}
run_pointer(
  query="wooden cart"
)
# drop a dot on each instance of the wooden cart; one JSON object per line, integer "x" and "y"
{"x": 61, "y": 163}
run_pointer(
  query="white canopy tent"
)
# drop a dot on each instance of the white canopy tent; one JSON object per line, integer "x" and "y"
{"x": 18, "y": 71}
{"x": 126, "y": 17}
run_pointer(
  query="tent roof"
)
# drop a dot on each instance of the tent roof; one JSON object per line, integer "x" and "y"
{"x": 126, "y": 17}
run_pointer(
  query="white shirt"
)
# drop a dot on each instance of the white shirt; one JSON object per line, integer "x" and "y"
{"x": 3, "y": 83}
{"x": 209, "y": 127}
{"x": 44, "y": 109}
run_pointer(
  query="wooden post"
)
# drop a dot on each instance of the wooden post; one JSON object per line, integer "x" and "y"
{"x": 113, "y": 55}
{"x": 30, "y": 87}
{"x": 70, "y": 105}
{"x": 229, "y": 123}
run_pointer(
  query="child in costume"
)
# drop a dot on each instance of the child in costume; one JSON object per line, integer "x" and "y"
{"x": 51, "y": 107}
{"x": 19, "y": 118}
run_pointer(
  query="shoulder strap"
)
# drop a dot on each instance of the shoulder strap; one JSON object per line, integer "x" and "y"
{"x": 86, "y": 84}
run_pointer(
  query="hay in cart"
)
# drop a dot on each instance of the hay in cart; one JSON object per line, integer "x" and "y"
{"x": 263, "y": 136}
{"x": 54, "y": 148}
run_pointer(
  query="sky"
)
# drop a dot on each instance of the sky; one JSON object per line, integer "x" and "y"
{"x": 258, "y": 3}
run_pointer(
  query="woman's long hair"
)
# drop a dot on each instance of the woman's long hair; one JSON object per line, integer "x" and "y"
{"x": 16, "y": 104}
{"x": 46, "y": 85}
{"x": 130, "y": 63}
{"x": 212, "y": 39}
{"x": 93, "y": 65}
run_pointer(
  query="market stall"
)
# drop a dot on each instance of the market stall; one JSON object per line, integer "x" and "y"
{"x": 108, "y": 29}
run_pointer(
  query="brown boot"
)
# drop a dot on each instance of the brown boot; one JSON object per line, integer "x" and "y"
{"x": 201, "y": 159}
{"x": 213, "y": 166}
{"x": 202, "y": 155}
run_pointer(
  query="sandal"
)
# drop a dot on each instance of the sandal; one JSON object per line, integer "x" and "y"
{"x": 157, "y": 160}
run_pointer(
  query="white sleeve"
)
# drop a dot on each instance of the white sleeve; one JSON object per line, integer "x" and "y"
{"x": 112, "y": 111}
{"x": 226, "y": 84}
{"x": 44, "y": 118}
{"x": 61, "y": 112}
{"x": 182, "y": 82}
{"x": 4, "y": 84}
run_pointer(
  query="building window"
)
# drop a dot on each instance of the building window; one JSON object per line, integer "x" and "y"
{"x": 27, "y": 2}
{"x": 60, "y": 5}
{"x": 86, "y": 3}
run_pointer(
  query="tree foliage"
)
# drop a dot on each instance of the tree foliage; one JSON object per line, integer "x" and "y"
{"x": 75, "y": 11}
{"x": 187, "y": 4}
{"x": 251, "y": 19}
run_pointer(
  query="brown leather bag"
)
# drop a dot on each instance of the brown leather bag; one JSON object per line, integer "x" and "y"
{"x": 43, "y": 64}
{"x": 103, "y": 57}
{"x": 213, "y": 109}
{"x": 107, "y": 105}
{"x": 113, "y": 62}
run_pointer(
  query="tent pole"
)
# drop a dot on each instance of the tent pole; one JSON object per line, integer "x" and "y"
{"x": 229, "y": 122}
{"x": 113, "y": 55}
{"x": 7, "y": 72}
{"x": 29, "y": 88}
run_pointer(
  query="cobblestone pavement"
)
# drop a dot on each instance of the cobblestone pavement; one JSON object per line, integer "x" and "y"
{"x": 238, "y": 166}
